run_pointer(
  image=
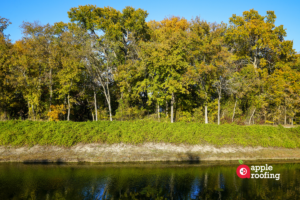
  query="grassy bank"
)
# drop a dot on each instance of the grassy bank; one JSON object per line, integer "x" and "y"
{"x": 21, "y": 133}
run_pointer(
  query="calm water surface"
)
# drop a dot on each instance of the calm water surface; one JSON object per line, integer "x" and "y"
{"x": 144, "y": 181}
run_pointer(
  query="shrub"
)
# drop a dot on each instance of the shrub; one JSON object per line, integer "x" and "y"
{"x": 56, "y": 112}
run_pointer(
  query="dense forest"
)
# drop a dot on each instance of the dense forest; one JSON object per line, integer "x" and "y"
{"x": 114, "y": 65}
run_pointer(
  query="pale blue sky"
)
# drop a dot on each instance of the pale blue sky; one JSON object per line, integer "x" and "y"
{"x": 287, "y": 11}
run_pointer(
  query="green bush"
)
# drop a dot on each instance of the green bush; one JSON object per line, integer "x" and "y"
{"x": 20, "y": 133}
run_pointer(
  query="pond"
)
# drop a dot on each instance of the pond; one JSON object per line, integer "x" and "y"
{"x": 146, "y": 181}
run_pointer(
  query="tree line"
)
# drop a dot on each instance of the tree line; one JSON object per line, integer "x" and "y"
{"x": 107, "y": 64}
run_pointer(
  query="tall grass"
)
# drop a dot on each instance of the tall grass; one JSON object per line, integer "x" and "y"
{"x": 22, "y": 133}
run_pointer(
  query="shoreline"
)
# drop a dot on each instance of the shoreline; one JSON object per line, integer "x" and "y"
{"x": 147, "y": 152}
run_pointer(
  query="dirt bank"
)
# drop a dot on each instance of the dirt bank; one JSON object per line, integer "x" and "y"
{"x": 142, "y": 152}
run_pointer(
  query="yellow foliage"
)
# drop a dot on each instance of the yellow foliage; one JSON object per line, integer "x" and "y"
{"x": 55, "y": 112}
{"x": 185, "y": 116}
{"x": 175, "y": 23}
{"x": 269, "y": 122}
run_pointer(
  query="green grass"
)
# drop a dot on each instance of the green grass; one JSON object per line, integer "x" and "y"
{"x": 28, "y": 133}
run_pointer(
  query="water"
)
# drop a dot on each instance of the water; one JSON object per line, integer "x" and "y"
{"x": 144, "y": 181}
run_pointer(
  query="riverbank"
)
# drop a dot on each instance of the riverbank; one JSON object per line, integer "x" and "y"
{"x": 142, "y": 153}
{"x": 138, "y": 141}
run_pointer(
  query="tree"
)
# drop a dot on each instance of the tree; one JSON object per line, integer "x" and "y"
{"x": 28, "y": 74}
{"x": 255, "y": 39}
{"x": 69, "y": 74}
{"x": 120, "y": 30}
{"x": 4, "y": 23}
{"x": 208, "y": 60}
{"x": 166, "y": 60}
{"x": 6, "y": 89}
{"x": 110, "y": 62}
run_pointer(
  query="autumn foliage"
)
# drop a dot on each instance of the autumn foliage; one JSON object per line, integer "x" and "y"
{"x": 107, "y": 64}
{"x": 56, "y": 112}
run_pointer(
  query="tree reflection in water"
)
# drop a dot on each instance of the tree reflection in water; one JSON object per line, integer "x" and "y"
{"x": 20, "y": 181}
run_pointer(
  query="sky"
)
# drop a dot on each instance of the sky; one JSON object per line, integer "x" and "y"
{"x": 51, "y": 11}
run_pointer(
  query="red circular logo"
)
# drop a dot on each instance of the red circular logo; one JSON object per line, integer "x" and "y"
{"x": 243, "y": 171}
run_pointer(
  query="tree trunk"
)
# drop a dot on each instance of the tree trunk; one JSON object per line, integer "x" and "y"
{"x": 219, "y": 108}
{"x": 167, "y": 108}
{"x": 107, "y": 95}
{"x": 93, "y": 116}
{"x": 172, "y": 108}
{"x": 109, "y": 108}
{"x": 5, "y": 113}
{"x": 219, "y": 100}
{"x": 122, "y": 106}
{"x": 206, "y": 118}
{"x": 32, "y": 109}
{"x": 234, "y": 110}
{"x": 96, "y": 112}
{"x": 284, "y": 115}
{"x": 105, "y": 87}
{"x": 279, "y": 115}
{"x": 158, "y": 116}
{"x": 68, "y": 118}
{"x": 252, "y": 116}
{"x": 28, "y": 105}
{"x": 51, "y": 91}
{"x": 175, "y": 110}
{"x": 255, "y": 63}
{"x": 65, "y": 102}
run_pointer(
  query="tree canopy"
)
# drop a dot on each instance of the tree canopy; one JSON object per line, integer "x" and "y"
{"x": 107, "y": 64}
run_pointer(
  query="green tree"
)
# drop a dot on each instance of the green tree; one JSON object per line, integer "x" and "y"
{"x": 120, "y": 32}
{"x": 254, "y": 39}
{"x": 6, "y": 89}
{"x": 165, "y": 60}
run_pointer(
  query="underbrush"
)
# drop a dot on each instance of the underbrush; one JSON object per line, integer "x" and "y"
{"x": 29, "y": 133}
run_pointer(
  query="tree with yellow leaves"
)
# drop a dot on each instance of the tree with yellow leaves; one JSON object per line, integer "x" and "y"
{"x": 165, "y": 60}
{"x": 6, "y": 88}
